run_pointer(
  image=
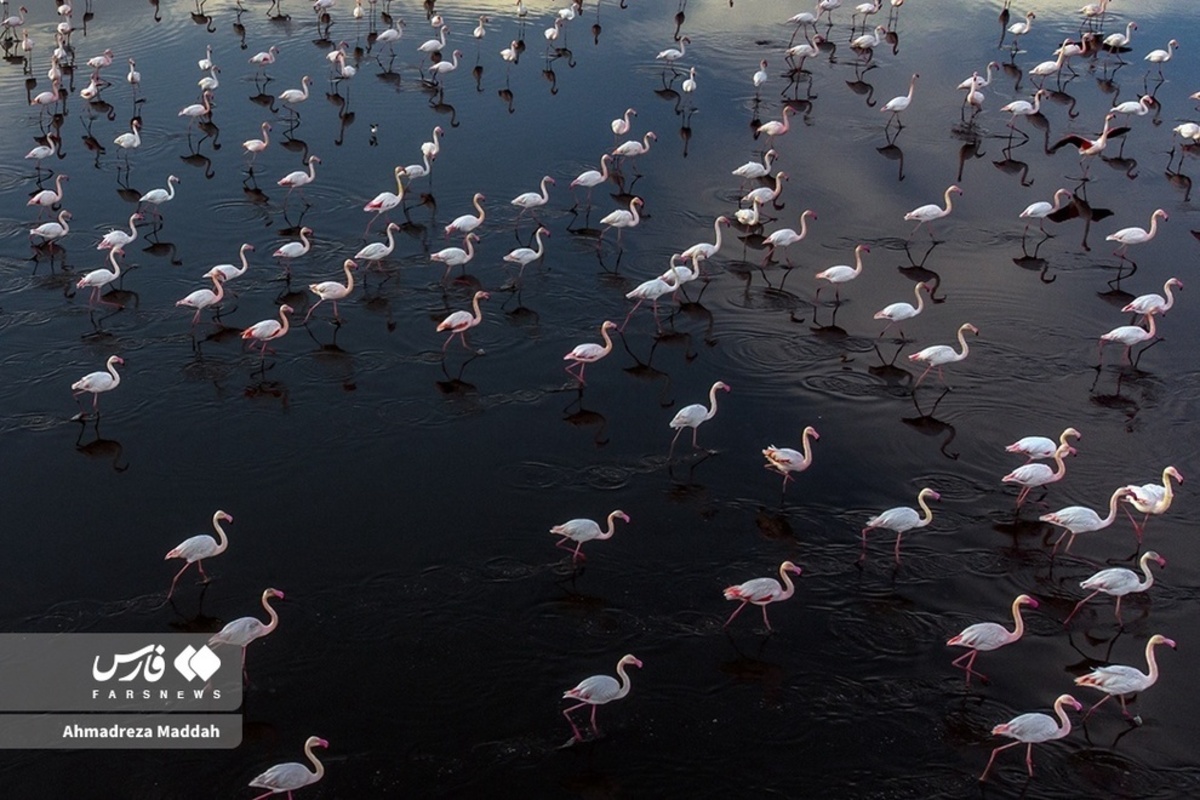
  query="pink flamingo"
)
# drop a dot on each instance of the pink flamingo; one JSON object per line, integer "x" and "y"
{"x": 244, "y": 630}
{"x": 695, "y": 415}
{"x": 652, "y": 290}
{"x": 269, "y": 330}
{"x": 204, "y": 298}
{"x": 621, "y": 219}
{"x": 456, "y": 256}
{"x": 197, "y": 548}
{"x": 97, "y": 382}
{"x": 842, "y": 273}
{"x": 1031, "y": 729}
{"x": 592, "y": 178}
{"x": 762, "y": 592}
{"x": 460, "y": 322}
{"x": 1148, "y": 304}
{"x": 621, "y": 125}
{"x": 1152, "y": 498}
{"x": 332, "y": 290}
{"x": 532, "y": 200}
{"x": 1118, "y": 680}
{"x": 704, "y": 249}
{"x": 1030, "y": 475}
{"x": 598, "y": 690}
{"x": 775, "y": 127}
{"x": 292, "y": 250}
{"x": 527, "y": 255}
{"x": 97, "y": 279}
{"x": 299, "y": 178}
{"x": 386, "y": 201}
{"x": 1039, "y": 447}
{"x": 118, "y": 237}
{"x": 468, "y": 222}
{"x": 932, "y": 211}
{"x": 49, "y": 231}
{"x": 901, "y": 520}
{"x": 1135, "y": 235}
{"x": 1081, "y": 519}
{"x": 1128, "y": 335}
{"x": 48, "y": 198}
{"x": 1118, "y": 582}
{"x": 786, "y": 237}
{"x": 897, "y": 105}
{"x": 985, "y": 636}
{"x": 292, "y": 775}
{"x": 377, "y": 251}
{"x": 256, "y": 146}
{"x": 229, "y": 271}
{"x": 786, "y": 460}
{"x": 1088, "y": 147}
{"x": 589, "y": 353}
{"x": 585, "y": 530}
{"x": 753, "y": 169}
{"x": 940, "y": 354}
{"x": 900, "y": 312}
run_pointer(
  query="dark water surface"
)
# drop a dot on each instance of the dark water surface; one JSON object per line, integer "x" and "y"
{"x": 402, "y": 500}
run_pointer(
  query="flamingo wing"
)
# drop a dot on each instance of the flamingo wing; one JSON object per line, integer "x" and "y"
{"x": 596, "y": 690}
{"x": 759, "y": 590}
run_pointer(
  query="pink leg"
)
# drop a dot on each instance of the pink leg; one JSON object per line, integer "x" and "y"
{"x": 898, "y": 535}
{"x": 862, "y": 557}
{"x": 311, "y": 310}
{"x": 672, "y": 450}
{"x": 1029, "y": 759}
{"x": 1103, "y": 700}
{"x": 923, "y": 374}
{"x": 578, "y": 555}
{"x": 245, "y": 675}
{"x": 567, "y": 714}
{"x": 986, "y": 769}
{"x": 176, "y": 580}
{"x": 1079, "y": 605}
{"x": 766, "y": 621}
{"x": 594, "y": 728}
{"x": 203, "y": 574}
{"x": 1124, "y": 710}
{"x": 736, "y": 611}
{"x": 266, "y": 794}
{"x": 695, "y": 430}
{"x": 967, "y": 668}
{"x": 1021, "y": 497}
{"x": 1118, "y": 610}
{"x": 630, "y": 314}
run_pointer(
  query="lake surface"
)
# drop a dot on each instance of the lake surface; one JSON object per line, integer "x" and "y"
{"x": 402, "y": 499}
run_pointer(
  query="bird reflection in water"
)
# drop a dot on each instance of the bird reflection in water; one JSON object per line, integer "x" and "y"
{"x": 646, "y": 371}
{"x": 455, "y": 386}
{"x": 931, "y": 426}
{"x": 100, "y": 448}
{"x": 1011, "y": 166}
{"x": 753, "y": 669}
{"x": 199, "y": 622}
{"x": 575, "y": 414}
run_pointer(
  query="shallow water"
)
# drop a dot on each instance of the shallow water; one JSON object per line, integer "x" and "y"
{"x": 401, "y": 499}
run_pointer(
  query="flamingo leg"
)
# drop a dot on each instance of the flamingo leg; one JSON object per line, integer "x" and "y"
{"x": 695, "y": 430}
{"x": 672, "y": 450}
{"x": 1029, "y": 759}
{"x": 1118, "y": 612}
{"x": 923, "y": 374}
{"x": 970, "y": 657}
{"x": 594, "y": 728}
{"x": 863, "y": 555}
{"x": 176, "y": 580}
{"x": 1103, "y": 700}
{"x": 578, "y": 555}
{"x": 898, "y": 535}
{"x": 311, "y": 310}
{"x": 766, "y": 621}
{"x": 1079, "y": 605}
{"x": 630, "y": 314}
{"x": 993, "y": 758}
{"x": 567, "y": 714}
{"x": 203, "y": 574}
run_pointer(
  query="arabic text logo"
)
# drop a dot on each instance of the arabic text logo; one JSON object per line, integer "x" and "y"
{"x": 148, "y": 661}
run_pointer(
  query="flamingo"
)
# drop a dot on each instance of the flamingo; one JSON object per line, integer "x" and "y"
{"x": 390, "y": 36}
{"x": 786, "y": 237}
{"x": 750, "y": 217}
{"x": 210, "y": 81}
{"x": 195, "y": 549}
{"x": 806, "y": 49}
{"x": 49, "y": 231}
{"x": 932, "y": 211}
{"x": 42, "y": 152}
{"x": 384, "y": 202}
{"x": 332, "y": 290}
{"x": 244, "y": 630}
{"x": 762, "y": 592}
{"x": 1133, "y": 235}
{"x": 940, "y": 354}
{"x": 1030, "y": 475}
{"x": 592, "y": 178}
{"x": 704, "y": 249}
{"x": 975, "y": 82}
{"x": 598, "y": 690}
{"x": 48, "y": 198}
{"x": 156, "y": 197}
{"x": 445, "y": 67}
{"x": 197, "y": 110}
{"x": 206, "y": 63}
{"x": 1148, "y": 304}
{"x": 480, "y": 31}
{"x": 589, "y": 353}
{"x": 621, "y": 125}
{"x": 775, "y": 127}
{"x": 900, "y": 312}
{"x": 291, "y": 97}
{"x": 1088, "y": 147}
{"x": 766, "y": 194}
{"x": 1118, "y": 582}
{"x": 531, "y": 200}
{"x": 785, "y": 460}
{"x": 622, "y": 219}
{"x": 901, "y": 519}
{"x": 468, "y": 222}
{"x": 204, "y": 298}
{"x": 1118, "y": 680}
{"x": 99, "y": 278}
{"x": 414, "y": 171}
{"x": 869, "y": 41}
{"x": 460, "y": 322}
{"x": 1092, "y": 10}
{"x": 292, "y": 775}
{"x": 292, "y": 250}
{"x": 131, "y": 140}
{"x": 434, "y": 45}
{"x": 1045, "y": 69}
{"x": 52, "y": 96}
{"x": 897, "y": 105}
{"x": 456, "y": 256}
{"x": 761, "y": 76}
{"x": 826, "y": 7}
{"x": 1161, "y": 57}
{"x": 119, "y": 238}
{"x": 527, "y": 255}
{"x": 753, "y": 169}
{"x": 1023, "y": 108}
{"x": 633, "y": 148}
{"x": 695, "y": 415}
{"x": 1040, "y": 447}
{"x": 985, "y": 636}
{"x": 97, "y": 382}
{"x": 1116, "y": 41}
{"x": 1152, "y": 498}
{"x": 1141, "y": 106}
{"x": 1128, "y": 335}
{"x": 264, "y": 59}
{"x": 652, "y": 290}
{"x": 673, "y": 54}
{"x": 1019, "y": 29}
{"x": 585, "y": 530}
{"x": 842, "y": 273}
{"x": 256, "y": 146}
{"x": 432, "y": 148}
{"x": 228, "y": 271}
{"x": 1031, "y": 729}
{"x": 377, "y": 251}
{"x": 299, "y": 178}
{"x": 1041, "y": 209}
{"x": 268, "y": 330}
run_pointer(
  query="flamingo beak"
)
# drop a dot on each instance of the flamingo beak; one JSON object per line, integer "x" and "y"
{"x": 1077, "y": 704}
{"x": 1033, "y": 603}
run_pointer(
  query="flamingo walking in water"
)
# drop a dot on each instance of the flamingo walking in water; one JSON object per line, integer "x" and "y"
{"x": 1148, "y": 304}
{"x": 228, "y": 271}
{"x": 299, "y": 178}
{"x": 932, "y": 211}
{"x": 529, "y": 201}
{"x": 1031, "y": 729}
{"x": 621, "y": 219}
{"x": 621, "y": 125}
{"x": 269, "y": 330}
{"x": 97, "y": 279}
{"x": 456, "y": 256}
{"x": 695, "y": 415}
{"x": 1039, "y": 447}
{"x": 785, "y": 460}
{"x": 1152, "y": 498}
{"x": 377, "y": 251}
{"x": 900, "y": 312}
{"x": 842, "y": 273}
{"x": 468, "y": 222}
{"x": 1041, "y": 209}
{"x": 292, "y": 250}
{"x": 585, "y": 530}
{"x": 119, "y": 238}
{"x": 897, "y": 105}
{"x": 204, "y": 298}
{"x": 1119, "y": 582}
{"x": 97, "y": 382}
{"x": 156, "y": 197}
{"x": 1118, "y": 680}
{"x": 786, "y": 237}
{"x": 527, "y": 255}
{"x": 256, "y": 146}
{"x": 244, "y": 630}
{"x": 901, "y": 520}
{"x": 775, "y": 127}
{"x": 589, "y": 353}
{"x": 48, "y": 198}
{"x": 704, "y": 249}
{"x": 292, "y": 775}
{"x": 985, "y": 636}
{"x": 1134, "y": 235}
{"x": 941, "y": 354}
{"x": 762, "y": 592}
{"x": 598, "y": 690}
{"x": 1081, "y": 519}
{"x": 197, "y": 548}
{"x": 1030, "y": 476}
{"x": 1128, "y": 335}
{"x": 592, "y": 178}
{"x": 460, "y": 322}
{"x": 332, "y": 290}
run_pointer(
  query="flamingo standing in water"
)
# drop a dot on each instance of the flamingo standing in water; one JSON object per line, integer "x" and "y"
{"x": 1134, "y": 235}
{"x": 48, "y": 198}
{"x": 256, "y": 146}
{"x": 932, "y": 211}
{"x": 1023, "y": 108}
{"x": 775, "y": 127}
{"x": 842, "y": 273}
{"x": 332, "y": 290}
{"x": 204, "y": 298}
{"x": 97, "y": 382}
{"x": 228, "y": 271}
{"x": 762, "y": 592}
{"x": 585, "y": 530}
{"x": 704, "y": 249}
{"x": 156, "y": 197}
{"x": 527, "y": 255}
{"x": 384, "y": 202}
{"x": 268, "y": 330}
{"x": 652, "y": 290}
{"x": 1152, "y": 498}
{"x": 298, "y": 179}
{"x": 786, "y": 237}
{"x": 1041, "y": 209}
{"x": 197, "y": 548}
{"x": 1031, "y": 729}
{"x": 695, "y": 415}
{"x": 119, "y": 238}
{"x": 598, "y": 690}
{"x": 49, "y": 231}
{"x": 1118, "y": 582}
{"x": 940, "y": 354}
{"x": 1081, "y": 519}
{"x": 1039, "y": 447}
{"x": 1128, "y": 335}
{"x": 244, "y": 630}
{"x": 786, "y": 460}
{"x": 377, "y": 251}
{"x": 468, "y": 222}
{"x": 533, "y": 200}
{"x": 753, "y": 170}
{"x": 621, "y": 219}
{"x": 589, "y": 353}
{"x": 1029, "y": 476}
{"x": 899, "y": 312}
{"x": 292, "y": 250}
{"x": 1118, "y": 680}
{"x": 456, "y": 256}
{"x": 985, "y": 636}
{"x": 897, "y": 105}
{"x": 1148, "y": 304}
{"x": 97, "y": 279}
{"x": 460, "y": 322}
{"x": 621, "y": 125}
{"x": 901, "y": 519}
{"x": 592, "y": 178}
{"x": 292, "y": 775}
{"x": 1088, "y": 147}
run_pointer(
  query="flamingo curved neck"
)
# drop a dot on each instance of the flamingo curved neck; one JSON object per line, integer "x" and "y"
{"x": 112, "y": 370}
{"x": 604, "y": 168}
{"x": 634, "y": 212}
{"x": 304, "y": 240}
{"x": 612, "y": 527}
{"x": 1152, "y": 662}
{"x": 1168, "y": 491}
{"x": 1018, "y": 621}
{"x": 318, "y": 767}
{"x": 926, "y": 511}
{"x": 478, "y": 313}
{"x": 608, "y": 345}
{"x": 283, "y": 319}
{"x": 962, "y": 340}
{"x": 712, "y": 400}
{"x": 112, "y": 259}
{"x": 806, "y": 444}
{"x": 479, "y": 208}
{"x": 786, "y": 577}
{"x": 219, "y": 289}
{"x": 803, "y": 225}
{"x": 242, "y": 254}
{"x": 222, "y": 539}
{"x": 717, "y": 234}
{"x": 537, "y": 237}
{"x": 1150, "y": 335}
{"x": 1170, "y": 297}
{"x": 1112, "y": 508}
{"x": 625, "y": 682}
{"x": 274, "y": 621}
{"x": 349, "y": 276}
{"x": 920, "y": 297}
{"x": 1153, "y": 227}
{"x": 1060, "y": 466}
{"x": 1063, "y": 719}
{"x": 947, "y": 197}
{"x": 1146, "y": 573}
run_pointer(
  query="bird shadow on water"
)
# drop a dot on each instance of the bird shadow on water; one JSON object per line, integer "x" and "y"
{"x": 582, "y": 417}
{"x": 99, "y": 448}
{"x": 931, "y": 426}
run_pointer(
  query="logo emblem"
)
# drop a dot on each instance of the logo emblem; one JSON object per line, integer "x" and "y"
{"x": 192, "y": 663}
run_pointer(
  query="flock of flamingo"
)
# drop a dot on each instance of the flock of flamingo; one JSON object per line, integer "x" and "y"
{"x": 684, "y": 267}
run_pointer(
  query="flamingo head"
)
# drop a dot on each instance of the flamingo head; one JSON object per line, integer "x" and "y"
{"x": 482, "y": 296}
{"x": 956, "y": 190}
{"x": 1150, "y": 555}
{"x": 349, "y": 264}
{"x": 1068, "y": 700}
{"x": 279, "y": 594}
{"x": 723, "y": 220}
{"x": 637, "y": 201}
{"x": 1026, "y": 600}
{"x": 790, "y": 567}
{"x": 1176, "y": 283}
{"x": 863, "y": 248}
{"x": 285, "y": 309}
{"x": 637, "y": 662}
{"x": 544, "y": 231}
{"x": 969, "y": 327}
{"x": 1071, "y": 432}
{"x": 1158, "y": 639}
{"x": 929, "y": 493}
{"x": 221, "y": 515}
{"x": 722, "y": 386}
{"x": 811, "y": 431}
{"x": 139, "y": 216}
{"x": 927, "y": 287}
{"x": 393, "y": 226}
{"x": 314, "y": 159}
{"x": 116, "y": 360}
{"x": 1174, "y": 473}
{"x": 1160, "y": 213}
{"x": 306, "y": 230}
{"x": 621, "y": 515}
